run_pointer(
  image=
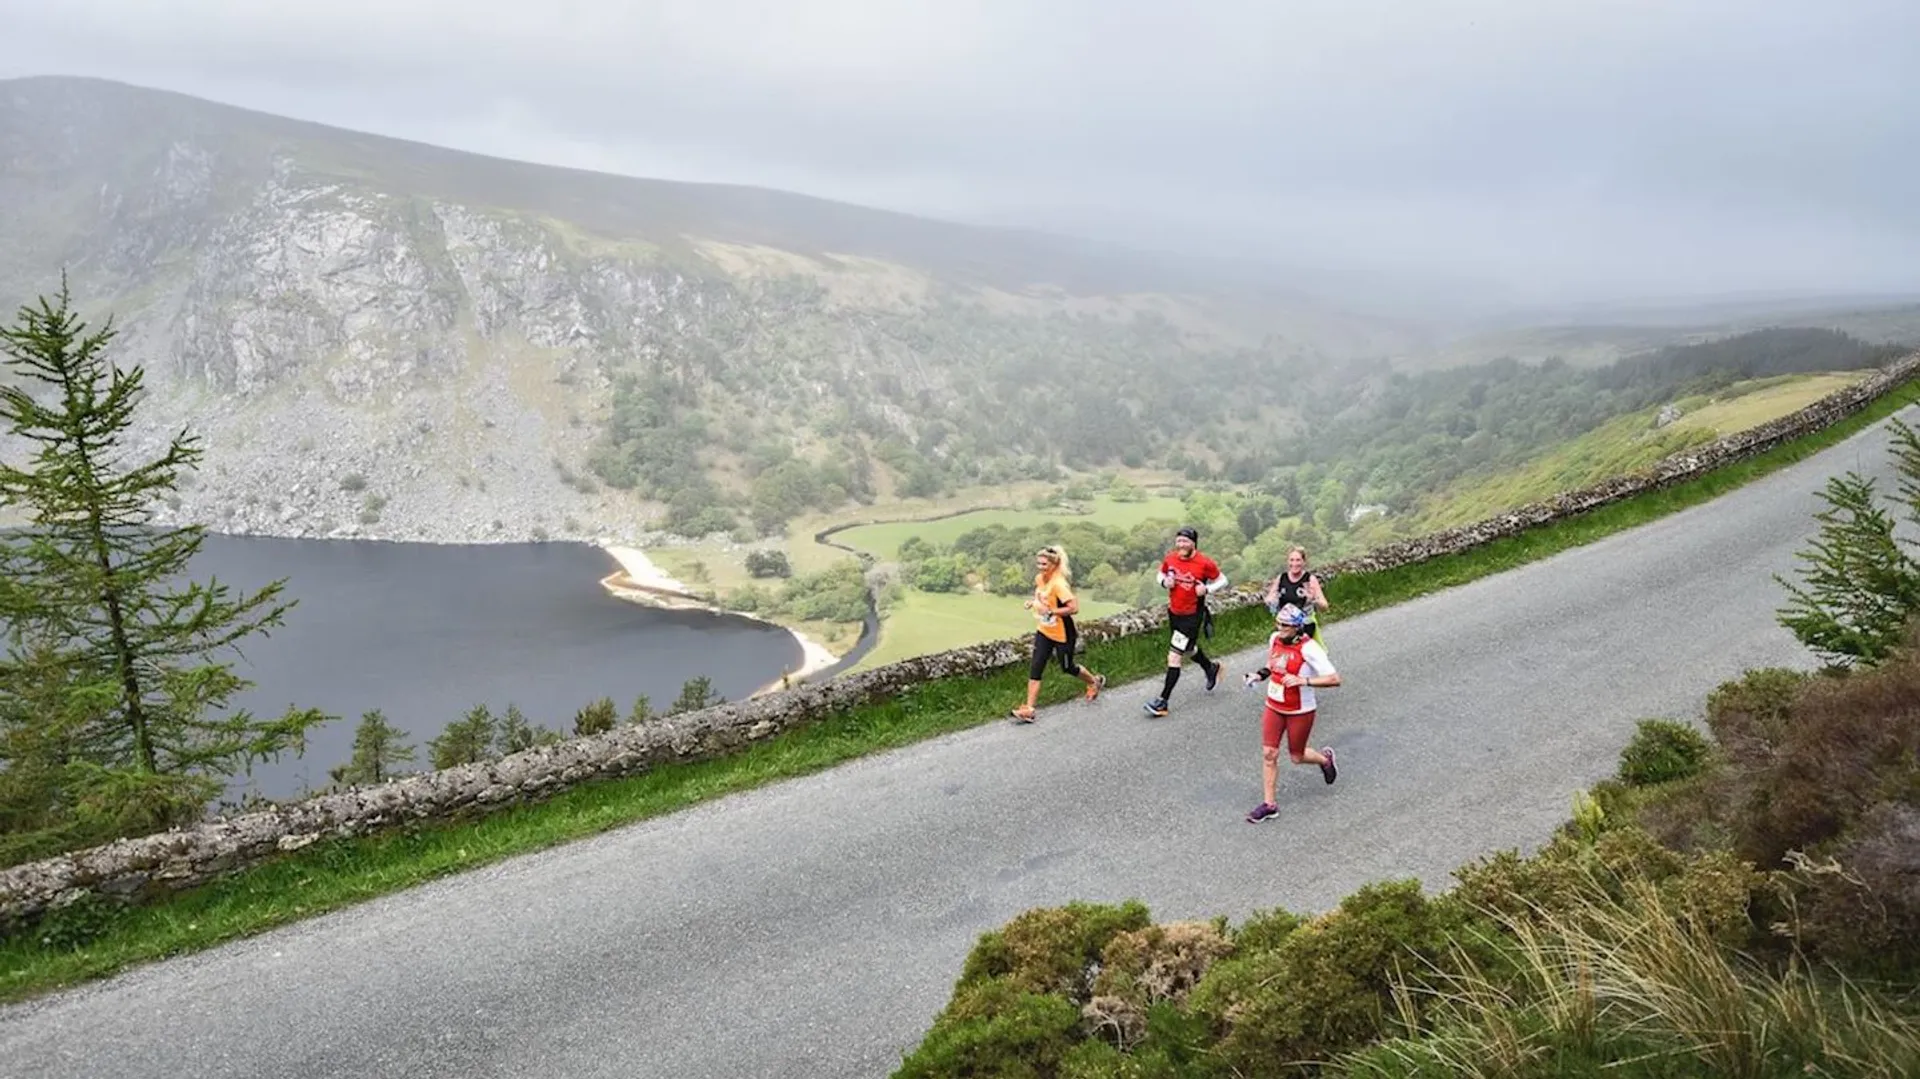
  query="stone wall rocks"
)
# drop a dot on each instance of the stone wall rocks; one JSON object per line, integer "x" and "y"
{"x": 149, "y": 866}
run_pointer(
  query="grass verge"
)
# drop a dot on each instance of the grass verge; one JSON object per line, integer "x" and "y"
{"x": 922, "y": 623}
{"x": 90, "y": 942}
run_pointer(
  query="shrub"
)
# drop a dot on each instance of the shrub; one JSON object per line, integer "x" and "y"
{"x": 1618, "y": 982}
{"x": 1052, "y": 949}
{"x": 596, "y": 718}
{"x": 1266, "y": 930}
{"x": 768, "y": 564}
{"x": 835, "y": 594}
{"x": 1847, "y": 744}
{"x": 1662, "y": 751}
{"x": 1690, "y": 815}
{"x": 1861, "y": 908}
{"x": 1749, "y": 715}
{"x": 993, "y": 1028}
{"x": 1328, "y": 987}
{"x": 1017, "y": 1010}
{"x": 1144, "y": 967}
{"x": 1714, "y": 888}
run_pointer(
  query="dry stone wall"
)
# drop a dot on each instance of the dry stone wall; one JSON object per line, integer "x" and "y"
{"x": 137, "y": 869}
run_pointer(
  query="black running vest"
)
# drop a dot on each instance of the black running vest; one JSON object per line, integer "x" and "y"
{"x": 1295, "y": 592}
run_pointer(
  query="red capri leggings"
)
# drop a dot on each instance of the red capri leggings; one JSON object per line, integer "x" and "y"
{"x": 1297, "y": 725}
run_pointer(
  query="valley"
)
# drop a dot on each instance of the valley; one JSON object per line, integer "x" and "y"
{"x": 378, "y": 339}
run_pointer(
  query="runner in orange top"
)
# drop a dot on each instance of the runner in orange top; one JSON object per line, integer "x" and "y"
{"x": 1054, "y": 605}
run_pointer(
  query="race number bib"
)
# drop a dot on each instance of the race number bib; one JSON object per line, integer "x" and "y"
{"x": 1180, "y": 641}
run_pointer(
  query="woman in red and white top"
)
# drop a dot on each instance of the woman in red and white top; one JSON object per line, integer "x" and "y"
{"x": 1296, "y": 666}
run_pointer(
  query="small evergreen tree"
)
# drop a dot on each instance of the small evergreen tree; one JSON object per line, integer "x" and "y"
{"x": 466, "y": 740}
{"x": 109, "y": 691}
{"x": 1861, "y": 584}
{"x": 596, "y": 718}
{"x": 642, "y": 711}
{"x": 379, "y": 748}
{"x": 515, "y": 733}
{"x": 695, "y": 693}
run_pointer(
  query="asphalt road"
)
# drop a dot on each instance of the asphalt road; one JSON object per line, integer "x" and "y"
{"x": 815, "y": 927}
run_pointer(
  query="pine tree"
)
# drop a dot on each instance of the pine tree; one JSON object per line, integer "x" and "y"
{"x": 1861, "y": 585}
{"x": 109, "y": 686}
{"x": 695, "y": 693}
{"x": 379, "y": 748}
{"x": 515, "y": 733}
{"x": 464, "y": 741}
{"x": 596, "y": 718}
{"x": 642, "y": 711}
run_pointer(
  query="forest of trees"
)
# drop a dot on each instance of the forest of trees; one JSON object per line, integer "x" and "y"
{"x": 807, "y": 400}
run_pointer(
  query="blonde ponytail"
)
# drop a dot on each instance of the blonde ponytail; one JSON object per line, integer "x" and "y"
{"x": 1059, "y": 556}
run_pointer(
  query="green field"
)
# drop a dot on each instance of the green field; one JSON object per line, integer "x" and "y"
{"x": 883, "y": 540}
{"x": 1627, "y": 444}
{"x": 1770, "y": 400}
{"x": 925, "y": 622}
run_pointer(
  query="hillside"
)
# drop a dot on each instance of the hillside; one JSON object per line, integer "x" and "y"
{"x": 381, "y": 337}
{"x": 1596, "y": 341}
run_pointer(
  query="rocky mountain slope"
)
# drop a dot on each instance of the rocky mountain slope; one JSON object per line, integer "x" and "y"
{"x": 376, "y": 337}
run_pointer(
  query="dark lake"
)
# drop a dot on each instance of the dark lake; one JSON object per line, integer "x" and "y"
{"x": 424, "y": 632}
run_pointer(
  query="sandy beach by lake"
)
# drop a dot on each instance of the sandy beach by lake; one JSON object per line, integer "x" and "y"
{"x": 638, "y": 569}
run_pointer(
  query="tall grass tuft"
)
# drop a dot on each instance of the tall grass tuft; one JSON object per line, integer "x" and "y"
{"x": 1622, "y": 980}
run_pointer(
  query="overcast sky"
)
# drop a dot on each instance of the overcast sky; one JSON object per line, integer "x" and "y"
{"x": 1616, "y": 147}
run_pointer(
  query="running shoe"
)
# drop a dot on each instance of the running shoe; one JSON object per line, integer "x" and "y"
{"x": 1213, "y": 674}
{"x": 1327, "y": 770}
{"x": 1021, "y": 715}
{"x": 1262, "y": 812}
{"x": 1157, "y": 706}
{"x": 1099, "y": 683}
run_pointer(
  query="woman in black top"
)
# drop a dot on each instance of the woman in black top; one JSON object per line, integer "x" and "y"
{"x": 1299, "y": 586}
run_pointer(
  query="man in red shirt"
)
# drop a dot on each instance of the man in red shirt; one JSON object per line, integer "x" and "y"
{"x": 1188, "y": 576}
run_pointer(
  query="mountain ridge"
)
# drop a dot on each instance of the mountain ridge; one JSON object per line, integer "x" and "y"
{"x": 627, "y": 205}
{"x": 383, "y": 338}
{"x": 369, "y": 331}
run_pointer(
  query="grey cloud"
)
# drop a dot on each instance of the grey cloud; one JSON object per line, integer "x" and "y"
{"x": 1688, "y": 144}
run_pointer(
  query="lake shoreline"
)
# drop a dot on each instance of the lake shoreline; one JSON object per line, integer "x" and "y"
{"x": 640, "y": 580}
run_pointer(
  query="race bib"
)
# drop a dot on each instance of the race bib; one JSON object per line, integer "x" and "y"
{"x": 1180, "y": 641}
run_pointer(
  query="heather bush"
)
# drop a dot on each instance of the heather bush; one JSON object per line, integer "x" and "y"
{"x": 1663, "y": 751}
{"x": 1017, "y": 1009}
{"x": 1844, "y": 746}
{"x": 1145, "y": 967}
{"x": 1749, "y": 715}
{"x": 1052, "y": 949}
{"x": 1328, "y": 987}
{"x": 992, "y": 1027}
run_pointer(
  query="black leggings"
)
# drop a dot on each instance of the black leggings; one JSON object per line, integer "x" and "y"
{"x": 1045, "y": 648}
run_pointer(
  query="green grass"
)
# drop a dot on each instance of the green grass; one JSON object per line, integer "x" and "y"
{"x": 925, "y": 622}
{"x": 884, "y": 540}
{"x": 334, "y": 874}
{"x": 1626, "y": 444}
{"x": 1764, "y": 403}
{"x": 1621, "y": 445}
